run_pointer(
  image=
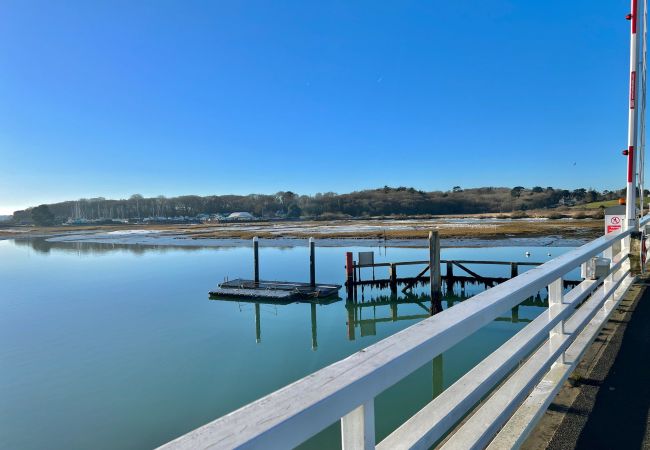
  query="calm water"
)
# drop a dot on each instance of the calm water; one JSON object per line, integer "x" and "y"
{"x": 108, "y": 347}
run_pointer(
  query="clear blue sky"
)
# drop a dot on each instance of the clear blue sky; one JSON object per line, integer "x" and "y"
{"x": 211, "y": 97}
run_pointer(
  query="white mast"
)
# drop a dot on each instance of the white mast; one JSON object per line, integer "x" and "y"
{"x": 643, "y": 66}
{"x": 630, "y": 198}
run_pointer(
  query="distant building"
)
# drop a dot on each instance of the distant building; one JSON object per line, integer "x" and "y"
{"x": 241, "y": 216}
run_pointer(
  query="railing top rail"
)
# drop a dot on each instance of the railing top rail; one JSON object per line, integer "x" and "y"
{"x": 291, "y": 415}
{"x": 442, "y": 261}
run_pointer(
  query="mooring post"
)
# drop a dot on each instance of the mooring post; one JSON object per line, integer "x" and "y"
{"x": 450, "y": 277}
{"x": 392, "y": 275}
{"x": 312, "y": 262}
{"x": 514, "y": 269}
{"x": 434, "y": 270}
{"x": 349, "y": 273}
{"x": 256, "y": 258}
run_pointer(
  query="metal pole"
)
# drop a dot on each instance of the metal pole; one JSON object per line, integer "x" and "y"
{"x": 256, "y": 259}
{"x": 643, "y": 65}
{"x": 630, "y": 198}
{"x": 312, "y": 262}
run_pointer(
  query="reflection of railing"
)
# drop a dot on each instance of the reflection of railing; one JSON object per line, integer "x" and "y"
{"x": 536, "y": 361}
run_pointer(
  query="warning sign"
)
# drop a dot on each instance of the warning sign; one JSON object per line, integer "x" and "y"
{"x": 614, "y": 218}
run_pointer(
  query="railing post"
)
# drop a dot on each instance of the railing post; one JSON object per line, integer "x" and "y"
{"x": 555, "y": 299}
{"x": 358, "y": 428}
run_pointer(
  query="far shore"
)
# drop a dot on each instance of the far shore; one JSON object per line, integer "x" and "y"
{"x": 464, "y": 231}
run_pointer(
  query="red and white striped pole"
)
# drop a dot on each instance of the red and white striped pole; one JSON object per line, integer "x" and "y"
{"x": 630, "y": 198}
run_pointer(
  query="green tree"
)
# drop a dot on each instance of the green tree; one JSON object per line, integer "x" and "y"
{"x": 42, "y": 216}
{"x": 294, "y": 211}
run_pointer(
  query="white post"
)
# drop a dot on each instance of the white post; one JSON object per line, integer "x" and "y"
{"x": 644, "y": 71}
{"x": 555, "y": 299}
{"x": 358, "y": 428}
{"x": 630, "y": 199}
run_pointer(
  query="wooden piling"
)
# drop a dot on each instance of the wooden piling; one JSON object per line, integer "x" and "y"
{"x": 392, "y": 275}
{"x": 450, "y": 277}
{"x": 256, "y": 259}
{"x": 514, "y": 269}
{"x": 434, "y": 270}
{"x": 312, "y": 262}
{"x": 349, "y": 273}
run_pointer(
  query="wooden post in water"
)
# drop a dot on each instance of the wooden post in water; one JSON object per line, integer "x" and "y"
{"x": 256, "y": 258}
{"x": 434, "y": 270}
{"x": 312, "y": 262}
{"x": 514, "y": 269}
{"x": 392, "y": 274}
{"x": 349, "y": 274}
{"x": 450, "y": 277}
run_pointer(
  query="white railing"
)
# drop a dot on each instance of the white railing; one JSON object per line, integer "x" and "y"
{"x": 506, "y": 393}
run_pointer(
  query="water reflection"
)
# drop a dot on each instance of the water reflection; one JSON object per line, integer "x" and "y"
{"x": 43, "y": 245}
{"x": 365, "y": 314}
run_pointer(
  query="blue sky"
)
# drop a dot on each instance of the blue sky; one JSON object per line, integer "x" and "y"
{"x": 211, "y": 97}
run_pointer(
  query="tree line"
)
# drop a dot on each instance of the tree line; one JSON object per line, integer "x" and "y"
{"x": 386, "y": 201}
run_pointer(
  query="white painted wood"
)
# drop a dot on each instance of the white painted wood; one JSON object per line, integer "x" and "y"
{"x": 358, "y": 428}
{"x": 479, "y": 429}
{"x": 427, "y": 426}
{"x": 515, "y": 432}
{"x": 555, "y": 300}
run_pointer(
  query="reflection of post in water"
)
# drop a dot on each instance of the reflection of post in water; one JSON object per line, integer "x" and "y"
{"x": 515, "y": 314}
{"x": 258, "y": 327}
{"x": 351, "y": 319}
{"x": 314, "y": 341}
{"x": 438, "y": 385}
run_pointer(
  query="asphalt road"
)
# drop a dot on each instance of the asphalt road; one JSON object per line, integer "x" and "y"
{"x": 612, "y": 409}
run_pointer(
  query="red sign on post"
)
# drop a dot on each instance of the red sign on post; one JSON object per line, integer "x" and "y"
{"x": 613, "y": 223}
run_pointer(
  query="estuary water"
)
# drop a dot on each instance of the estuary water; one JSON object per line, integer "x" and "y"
{"x": 106, "y": 346}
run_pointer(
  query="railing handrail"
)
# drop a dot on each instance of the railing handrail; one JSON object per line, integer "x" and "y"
{"x": 289, "y": 416}
{"x": 443, "y": 261}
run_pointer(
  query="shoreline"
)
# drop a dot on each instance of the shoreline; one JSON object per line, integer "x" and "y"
{"x": 457, "y": 232}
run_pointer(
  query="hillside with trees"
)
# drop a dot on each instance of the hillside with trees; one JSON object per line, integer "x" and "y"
{"x": 386, "y": 201}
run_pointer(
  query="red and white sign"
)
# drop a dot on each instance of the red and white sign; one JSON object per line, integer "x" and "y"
{"x": 613, "y": 223}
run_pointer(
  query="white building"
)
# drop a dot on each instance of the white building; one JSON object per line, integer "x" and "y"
{"x": 241, "y": 216}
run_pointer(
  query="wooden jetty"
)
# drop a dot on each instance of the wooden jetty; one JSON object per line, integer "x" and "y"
{"x": 353, "y": 273}
{"x": 279, "y": 291}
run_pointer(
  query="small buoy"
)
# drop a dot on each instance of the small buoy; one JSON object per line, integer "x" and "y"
{"x": 527, "y": 254}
